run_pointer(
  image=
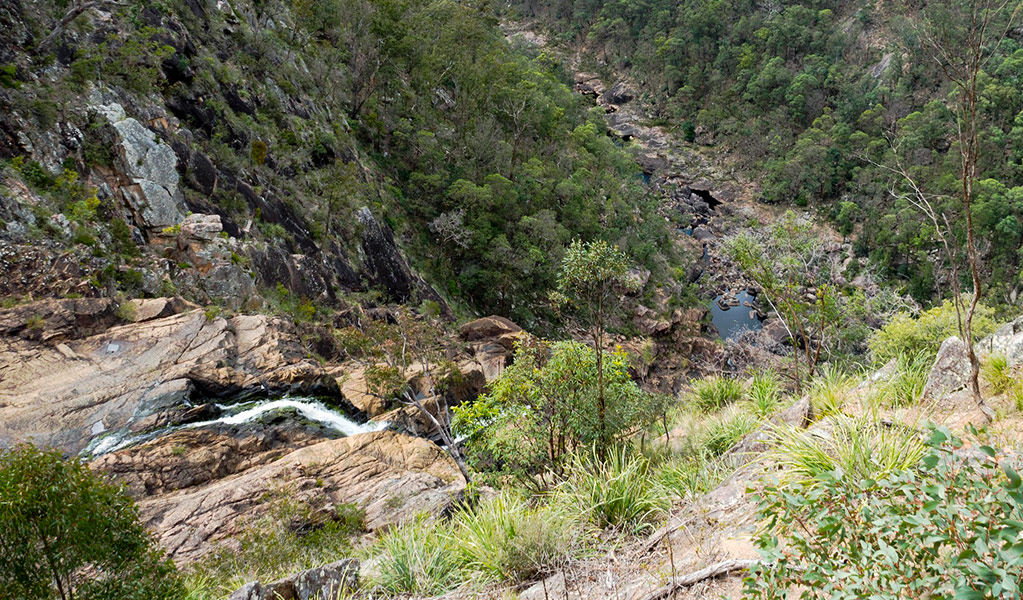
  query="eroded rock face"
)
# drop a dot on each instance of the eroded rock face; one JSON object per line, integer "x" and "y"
{"x": 100, "y": 378}
{"x": 951, "y": 370}
{"x": 393, "y": 477}
{"x": 151, "y": 167}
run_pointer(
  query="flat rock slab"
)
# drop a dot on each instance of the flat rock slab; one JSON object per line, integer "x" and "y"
{"x": 393, "y": 477}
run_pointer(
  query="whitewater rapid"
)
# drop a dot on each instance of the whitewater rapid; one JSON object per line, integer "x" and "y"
{"x": 308, "y": 408}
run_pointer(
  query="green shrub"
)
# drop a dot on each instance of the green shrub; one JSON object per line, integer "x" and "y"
{"x": 67, "y": 533}
{"x": 545, "y": 405}
{"x": 904, "y": 335}
{"x": 417, "y": 558}
{"x": 507, "y": 539}
{"x": 946, "y": 526}
{"x": 617, "y": 492}
{"x": 714, "y": 393}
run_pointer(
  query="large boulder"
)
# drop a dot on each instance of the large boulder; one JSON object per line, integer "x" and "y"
{"x": 1008, "y": 341}
{"x": 319, "y": 583}
{"x": 950, "y": 372}
{"x": 383, "y": 261}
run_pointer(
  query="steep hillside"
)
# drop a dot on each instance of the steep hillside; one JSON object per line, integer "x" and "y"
{"x": 311, "y": 131}
{"x": 817, "y": 102}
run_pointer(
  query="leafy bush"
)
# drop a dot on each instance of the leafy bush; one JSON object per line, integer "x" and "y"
{"x": 714, "y": 393}
{"x": 908, "y": 336}
{"x": 544, "y": 406}
{"x": 65, "y": 532}
{"x": 946, "y": 526}
{"x": 507, "y": 539}
{"x": 617, "y": 492}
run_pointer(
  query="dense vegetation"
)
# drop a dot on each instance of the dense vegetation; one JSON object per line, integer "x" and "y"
{"x": 476, "y": 151}
{"x": 817, "y": 100}
{"x": 67, "y": 533}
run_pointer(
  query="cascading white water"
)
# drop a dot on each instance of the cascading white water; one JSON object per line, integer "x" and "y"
{"x": 309, "y": 408}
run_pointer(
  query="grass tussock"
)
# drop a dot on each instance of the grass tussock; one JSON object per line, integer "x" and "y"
{"x": 862, "y": 448}
{"x": 996, "y": 373}
{"x": 618, "y": 492}
{"x": 417, "y": 558}
{"x": 763, "y": 396}
{"x": 508, "y": 539}
{"x": 714, "y": 393}
{"x": 830, "y": 391}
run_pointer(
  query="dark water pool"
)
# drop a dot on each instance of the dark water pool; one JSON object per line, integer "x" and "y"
{"x": 732, "y": 321}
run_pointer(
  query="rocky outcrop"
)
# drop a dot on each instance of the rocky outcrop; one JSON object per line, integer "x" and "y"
{"x": 393, "y": 477}
{"x": 491, "y": 342}
{"x": 151, "y": 166}
{"x": 950, "y": 372}
{"x": 321, "y": 583}
{"x": 101, "y": 378}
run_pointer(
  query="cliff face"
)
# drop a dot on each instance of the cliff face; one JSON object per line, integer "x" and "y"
{"x": 127, "y": 174}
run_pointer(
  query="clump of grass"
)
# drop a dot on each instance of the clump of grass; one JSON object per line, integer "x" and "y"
{"x": 616, "y": 492}
{"x": 862, "y": 448}
{"x": 727, "y": 430}
{"x": 829, "y": 391}
{"x": 764, "y": 393}
{"x": 506, "y": 539}
{"x": 691, "y": 476}
{"x": 906, "y": 386}
{"x": 417, "y": 558}
{"x": 996, "y": 373}
{"x": 714, "y": 393}
{"x": 291, "y": 538}
{"x": 1015, "y": 394}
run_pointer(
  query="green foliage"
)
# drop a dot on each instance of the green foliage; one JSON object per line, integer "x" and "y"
{"x": 715, "y": 392}
{"x": 944, "y": 526}
{"x": 907, "y": 384}
{"x": 618, "y": 491}
{"x": 257, "y": 151}
{"x": 829, "y": 391}
{"x": 690, "y": 476}
{"x": 506, "y": 539}
{"x": 290, "y": 538}
{"x": 860, "y": 447}
{"x": 8, "y": 76}
{"x": 904, "y": 335}
{"x": 726, "y": 430}
{"x": 763, "y": 395}
{"x": 544, "y": 407}
{"x": 996, "y": 373}
{"x": 417, "y": 558}
{"x": 66, "y": 532}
